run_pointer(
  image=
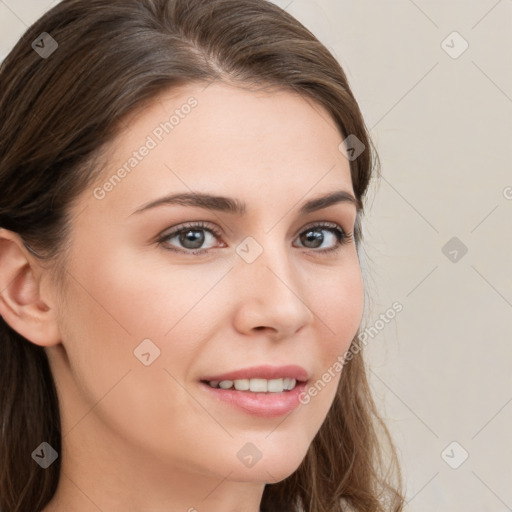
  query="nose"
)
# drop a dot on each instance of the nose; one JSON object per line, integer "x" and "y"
{"x": 271, "y": 294}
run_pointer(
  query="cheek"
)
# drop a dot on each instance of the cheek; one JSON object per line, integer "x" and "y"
{"x": 116, "y": 303}
{"x": 342, "y": 320}
{"x": 339, "y": 307}
{"x": 138, "y": 298}
{"x": 337, "y": 300}
{"x": 113, "y": 306}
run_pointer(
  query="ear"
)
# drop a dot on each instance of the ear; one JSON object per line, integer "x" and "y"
{"x": 21, "y": 304}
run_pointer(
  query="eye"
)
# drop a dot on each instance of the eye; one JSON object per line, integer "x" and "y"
{"x": 191, "y": 237}
{"x": 313, "y": 238}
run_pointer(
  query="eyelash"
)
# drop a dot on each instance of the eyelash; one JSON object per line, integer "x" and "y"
{"x": 342, "y": 237}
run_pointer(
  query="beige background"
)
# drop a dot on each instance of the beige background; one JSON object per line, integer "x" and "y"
{"x": 441, "y": 370}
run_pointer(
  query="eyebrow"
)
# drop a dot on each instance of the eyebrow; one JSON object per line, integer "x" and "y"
{"x": 236, "y": 207}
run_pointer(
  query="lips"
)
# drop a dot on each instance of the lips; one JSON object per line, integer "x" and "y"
{"x": 263, "y": 405}
{"x": 262, "y": 372}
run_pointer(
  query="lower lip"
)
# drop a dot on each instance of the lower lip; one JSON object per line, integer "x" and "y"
{"x": 266, "y": 405}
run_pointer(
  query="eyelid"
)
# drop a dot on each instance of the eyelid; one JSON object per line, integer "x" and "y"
{"x": 199, "y": 224}
{"x": 347, "y": 236}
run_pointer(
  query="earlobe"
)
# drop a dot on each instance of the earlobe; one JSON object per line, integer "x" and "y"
{"x": 21, "y": 304}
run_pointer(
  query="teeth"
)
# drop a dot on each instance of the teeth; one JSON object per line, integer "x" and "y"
{"x": 275, "y": 386}
{"x": 256, "y": 385}
{"x": 242, "y": 384}
{"x": 289, "y": 383}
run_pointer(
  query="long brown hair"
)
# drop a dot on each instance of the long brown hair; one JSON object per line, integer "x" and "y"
{"x": 60, "y": 111}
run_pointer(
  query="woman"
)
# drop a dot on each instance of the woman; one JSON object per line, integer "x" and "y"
{"x": 182, "y": 190}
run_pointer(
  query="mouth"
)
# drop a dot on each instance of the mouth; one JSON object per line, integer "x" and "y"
{"x": 264, "y": 391}
{"x": 256, "y": 385}
{"x": 260, "y": 379}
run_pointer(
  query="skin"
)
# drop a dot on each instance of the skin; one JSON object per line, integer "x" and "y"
{"x": 148, "y": 438}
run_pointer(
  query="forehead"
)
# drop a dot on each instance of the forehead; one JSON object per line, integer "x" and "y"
{"x": 226, "y": 140}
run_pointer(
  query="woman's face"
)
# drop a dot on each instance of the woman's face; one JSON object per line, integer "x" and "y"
{"x": 146, "y": 320}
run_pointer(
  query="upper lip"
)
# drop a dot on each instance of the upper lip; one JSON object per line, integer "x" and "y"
{"x": 263, "y": 372}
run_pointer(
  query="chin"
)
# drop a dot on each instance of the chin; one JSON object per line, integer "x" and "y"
{"x": 269, "y": 469}
{"x": 267, "y": 474}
